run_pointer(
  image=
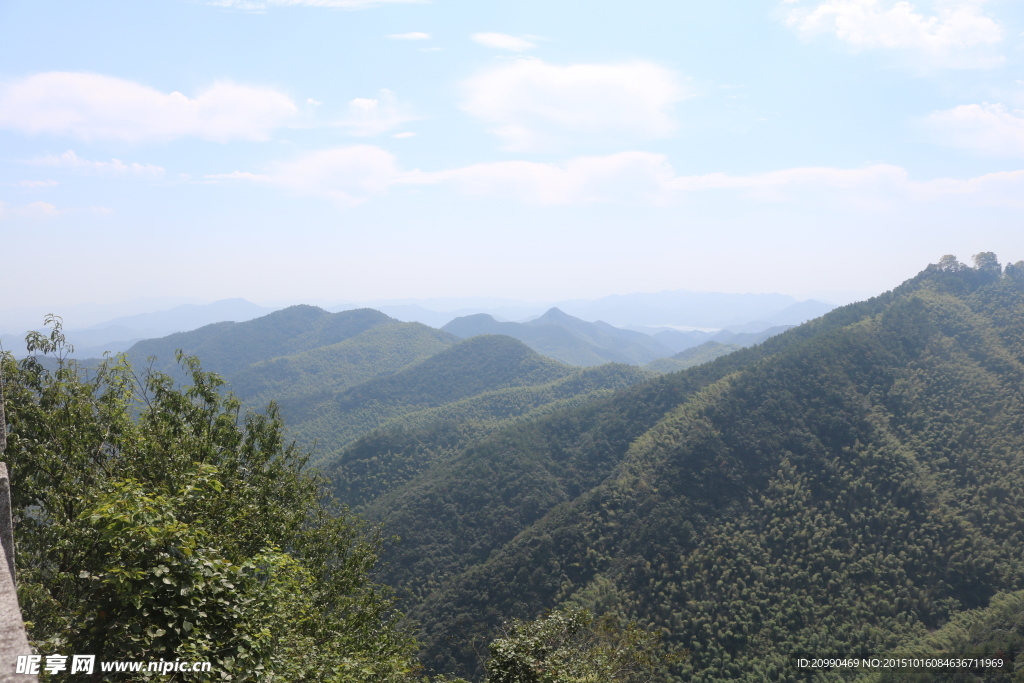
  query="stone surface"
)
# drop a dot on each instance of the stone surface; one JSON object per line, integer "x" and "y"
{"x": 13, "y": 639}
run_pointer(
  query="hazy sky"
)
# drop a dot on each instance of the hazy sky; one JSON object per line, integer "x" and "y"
{"x": 354, "y": 150}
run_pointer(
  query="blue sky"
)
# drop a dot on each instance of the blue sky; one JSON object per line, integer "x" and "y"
{"x": 287, "y": 150}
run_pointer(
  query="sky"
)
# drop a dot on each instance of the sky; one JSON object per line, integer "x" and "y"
{"x": 355, "y": 150}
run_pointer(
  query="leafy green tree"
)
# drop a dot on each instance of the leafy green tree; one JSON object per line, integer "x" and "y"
{"x": 571, "y": 646}
{"x": 162, "y": 523}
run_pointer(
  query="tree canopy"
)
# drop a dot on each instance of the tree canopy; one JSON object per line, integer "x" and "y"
{"x": 162, "y": 523}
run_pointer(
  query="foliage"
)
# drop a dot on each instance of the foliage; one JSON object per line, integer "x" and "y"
{"x": 706, "y": 352}
{"x": 228, "y": 347}
{"x": 566, "y": 338}
{"x": 162, "y": 523}
{"x": 571, "y": 646}
{"x": 381, "y": 350}
{"x": 406, "y": 446}
{"x": 993, "y": 631}
{"x": 844, "y": 487}
{"x": 336, "y": 418}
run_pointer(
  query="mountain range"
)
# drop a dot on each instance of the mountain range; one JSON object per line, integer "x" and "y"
{"x": 853, "y": 485}
{"x": 339, "y": 376}
{"x": 848, "y": 486}
{"x": 568, "y": 339}
{"x": 93, "y": 334}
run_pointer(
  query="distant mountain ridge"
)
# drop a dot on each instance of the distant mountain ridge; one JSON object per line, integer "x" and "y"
{"x": 337, "y": 376}
{"x": 671, "y": 308}
{"x": 187, "y": 317}
{"x": 120, "y": 333}
{"x": 92, "y": 338}
{"x": 567, "y": 338}
{"x": 696, "y": 309}
{"x": 704, "y": 353}
{"x": 678, "y": 341}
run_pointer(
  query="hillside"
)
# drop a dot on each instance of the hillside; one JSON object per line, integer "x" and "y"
{"x": 567, "y": 339}
{"x": 407, "y": 446}
{"x": 680, "y": 341}
{"x": 847, "y": 486}
{"x": 380, "y": 350}
{"x": 338, "y": 376}
{"x": 996, "y": 630}
{"x": 227, "y": 347}
{"x": 706, "y": 352}
{"x": 478, "y": 365}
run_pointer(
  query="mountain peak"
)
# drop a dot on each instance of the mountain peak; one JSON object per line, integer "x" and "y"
{"x": 554, "y": 315}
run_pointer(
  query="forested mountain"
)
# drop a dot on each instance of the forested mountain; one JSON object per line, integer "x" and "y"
{"x": 227, "y": 347}
{"x": 706, "y": 352}
{"x": 338, "y": 376}
{"x": 568, "y": 339}
{"x": 475, "y": 366}
{"x": 844, "y": 487}
{"x": 406, "y": 446}
{"x": 679, "y": 341}
{"x": 381, "y": 350}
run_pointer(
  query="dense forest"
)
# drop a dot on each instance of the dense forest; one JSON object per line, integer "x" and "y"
{"x": 854, "y": 485}
{"x": 844, "y": 487}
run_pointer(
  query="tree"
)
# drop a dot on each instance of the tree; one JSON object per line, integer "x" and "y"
{"x": 571, "y": 646}
{"x": 949, "y": 264}
{"x": 1015, "y": 271}
{"x": 162, "y": 523}
{"x": 987, "y": 266}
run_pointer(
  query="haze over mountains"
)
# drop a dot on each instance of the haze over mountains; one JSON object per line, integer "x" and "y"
{"x": 92, "y": 332}
{"x": 329, "y": 372}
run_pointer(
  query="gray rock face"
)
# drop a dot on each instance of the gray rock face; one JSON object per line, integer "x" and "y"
{"x": 13, "y": 638}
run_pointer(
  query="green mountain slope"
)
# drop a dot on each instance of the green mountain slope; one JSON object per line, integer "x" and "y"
{"x": 228, "y": 347}
{"x": 472, "y": 367}
{"x": 568, "y": 339}
{"x": 995, "y": 631}
{"x": 380, "y": 350}
{"x": 844, "y": 487}
{"x": 619, "y": 345}
{"x": 681, "y": 341}
{"x": 708, "y": 351}
{"x": 407, "y": 446}
{"x": 468, "y": 506}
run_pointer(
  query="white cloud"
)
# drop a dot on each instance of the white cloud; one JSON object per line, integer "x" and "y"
{"x": 35, "y": 210}
{"x": 406, "y": 134}
{"x": 353, "y": 175}
{"x": 955, "y": 33}
{"x": 96, "y": 107}
{"x": 261, "y": 5}
{"x": 987, "y": 128}
{"x": 534, "y": 106}
{"x": 415, "y": 35}
{"x": 114, "y": 167}
{"x": 33, "y": 184}
{"x": 502, "y": 41}
{"x": 44, "y": 210}
{"x": 626, "y": 176}
{"x": 642, "y": 177}
{"x": 375, "y": 116}
{"x": 348, "y": 175}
